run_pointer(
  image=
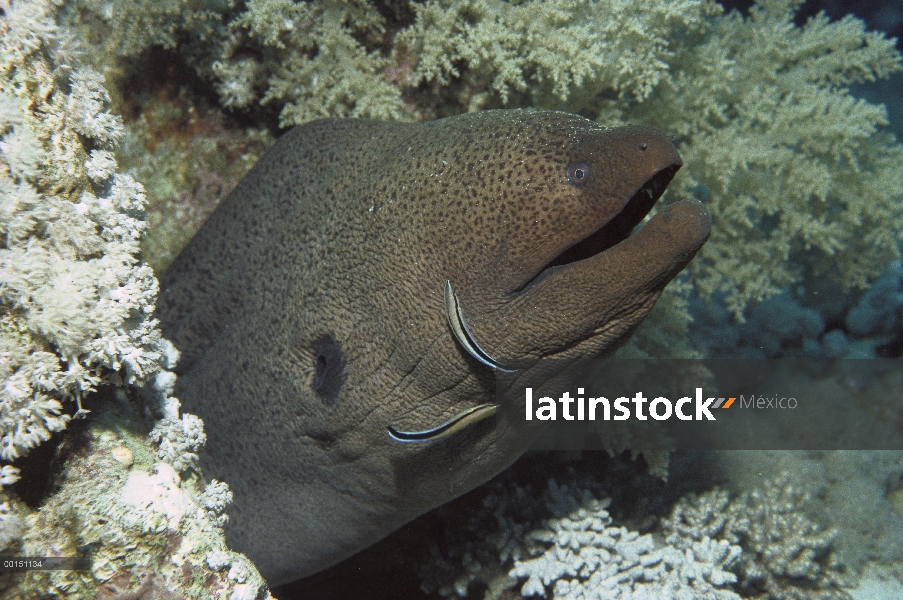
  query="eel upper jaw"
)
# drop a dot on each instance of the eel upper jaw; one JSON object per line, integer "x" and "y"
{"x": 611, "y": 233}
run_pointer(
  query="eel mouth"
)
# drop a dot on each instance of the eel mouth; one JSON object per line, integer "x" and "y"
{"x": 615, "y": 231}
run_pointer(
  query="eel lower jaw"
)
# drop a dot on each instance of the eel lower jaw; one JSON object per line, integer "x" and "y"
{"x": 615, "y": 231}
{"x": 592, "y": 305}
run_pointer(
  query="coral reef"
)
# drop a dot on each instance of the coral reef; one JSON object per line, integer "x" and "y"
{"x": 75, "y": 304}
{"x": 149, "y": 531}
{"x": 793, "y": 167}
{"x": 565, "y": 542}
{"x": 785, "y": 555}
{"x": 312, "y": 64}
{"x": 855, "y": 493}
{"x": 585, "y": 556}
{"x": 304, "y": 57}
{"x": 560, "y": 54}
{"x": 800, "y": 174}
{"x": 507, "y": 512}
{"x": 811, "y": 321}
{"x": 76, "y": 318}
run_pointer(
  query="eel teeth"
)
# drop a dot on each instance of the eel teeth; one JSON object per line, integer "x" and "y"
{"x": 462, "y": 333}
{"x": 457, "y": 423}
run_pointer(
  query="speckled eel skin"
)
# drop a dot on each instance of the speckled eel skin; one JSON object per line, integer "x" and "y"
{"x": 312, "y": 314}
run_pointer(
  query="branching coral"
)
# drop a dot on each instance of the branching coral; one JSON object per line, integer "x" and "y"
{"x": 496, "y": 535}
{"x": 562, "y": 542}
{"x": 584, "y": 556}
{"x": 75, "y": 303}
{"x": 795, "y": 168}
{"x": 557, "y": 54}
{"x": 785, "y": 555}
{"x": 810, "y": 321}
{"x": 139, "y": 24}
{"x": 312, "y": 64}
{"x": 305, "y": 57}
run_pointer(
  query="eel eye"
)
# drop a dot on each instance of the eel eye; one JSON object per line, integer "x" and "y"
{"x": 578, "y": 173}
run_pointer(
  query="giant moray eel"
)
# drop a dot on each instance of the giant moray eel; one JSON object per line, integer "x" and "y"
{"x": 311, "y": 314}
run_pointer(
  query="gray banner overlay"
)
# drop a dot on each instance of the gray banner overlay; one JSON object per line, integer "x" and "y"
{"x": 712, "y": 404}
